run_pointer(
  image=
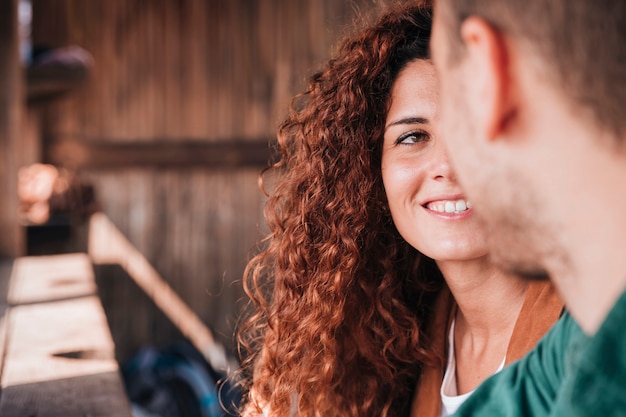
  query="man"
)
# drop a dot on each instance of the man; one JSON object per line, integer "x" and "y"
{"x": 533, "y": 94}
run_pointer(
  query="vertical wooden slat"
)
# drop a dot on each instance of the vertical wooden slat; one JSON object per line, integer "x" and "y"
{"x": 11, "y": 102}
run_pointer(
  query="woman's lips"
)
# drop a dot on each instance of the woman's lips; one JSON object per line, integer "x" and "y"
{"x": 449, "y": 206}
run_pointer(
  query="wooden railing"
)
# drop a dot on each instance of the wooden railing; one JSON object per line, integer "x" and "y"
{"x": 56, "y": 350}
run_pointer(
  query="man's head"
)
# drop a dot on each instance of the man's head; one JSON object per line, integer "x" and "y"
{"x": 578, "y": 45}
{"x": 532, "y": 94}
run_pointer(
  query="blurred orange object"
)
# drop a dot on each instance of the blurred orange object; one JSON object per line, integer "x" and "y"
{"x": 44, "y": 189}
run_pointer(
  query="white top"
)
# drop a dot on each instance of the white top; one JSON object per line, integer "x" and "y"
{"x": 450, "y": 400}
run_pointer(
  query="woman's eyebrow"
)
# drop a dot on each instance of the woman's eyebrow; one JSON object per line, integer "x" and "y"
{"x": 407, "y": 121}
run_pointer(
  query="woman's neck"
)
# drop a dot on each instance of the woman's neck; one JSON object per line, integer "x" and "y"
{"x": 489, "y": 303}
{"x": 488, "y": 300}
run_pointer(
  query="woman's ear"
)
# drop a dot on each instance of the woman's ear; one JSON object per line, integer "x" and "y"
{"x": 489, "y": 88}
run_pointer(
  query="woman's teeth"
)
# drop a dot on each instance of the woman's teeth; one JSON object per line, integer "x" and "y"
{"x": 448, "y": 206}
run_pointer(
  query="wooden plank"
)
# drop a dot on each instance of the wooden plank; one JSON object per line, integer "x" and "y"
{"x": 11, "y": 240}
{"x": 59, "y": 357}
{"x": 58, "y": 398}
{"x": 45, "y": 279}
{"x": 5, "y": 275}
{"x": 159, "y": 154}
{"x": 57, "y": 340}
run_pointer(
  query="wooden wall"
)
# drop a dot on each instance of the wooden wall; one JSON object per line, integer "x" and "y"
{"x": 188, "y": 69}
{"x": 210, "y": 76}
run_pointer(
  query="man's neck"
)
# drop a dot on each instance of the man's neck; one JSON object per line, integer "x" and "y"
{"x": 591, "y": 290}
{"x": 593, "y": 224}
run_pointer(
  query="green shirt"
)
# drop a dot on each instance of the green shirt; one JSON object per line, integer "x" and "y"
{"x": 567, "y": 374}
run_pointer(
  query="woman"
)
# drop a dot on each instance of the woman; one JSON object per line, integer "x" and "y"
{"x": 375, "y": 278}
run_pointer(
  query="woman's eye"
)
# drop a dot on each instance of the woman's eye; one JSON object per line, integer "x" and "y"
{"x": 412, "y": 137}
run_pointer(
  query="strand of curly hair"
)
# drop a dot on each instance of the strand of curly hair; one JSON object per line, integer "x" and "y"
{"x": 340, "y": 298}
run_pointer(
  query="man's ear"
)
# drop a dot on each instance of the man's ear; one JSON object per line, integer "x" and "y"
{"x": 489, "y": 82}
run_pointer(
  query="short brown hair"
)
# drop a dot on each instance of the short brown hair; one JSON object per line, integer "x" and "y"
{"x": 581, "y": 43}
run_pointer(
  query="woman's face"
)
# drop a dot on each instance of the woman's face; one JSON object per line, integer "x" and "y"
{"x": 426, "y": 202}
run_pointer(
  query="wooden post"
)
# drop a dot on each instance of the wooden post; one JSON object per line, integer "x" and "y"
{"x": 11, "y": 103}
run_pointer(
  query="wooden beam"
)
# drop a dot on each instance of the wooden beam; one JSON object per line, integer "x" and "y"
{"x": 11, "y": 103}
{"x": 159, "y": 154}
{"x": 107, "y": 245}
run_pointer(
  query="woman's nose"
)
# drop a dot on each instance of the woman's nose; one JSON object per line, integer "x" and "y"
{"x": 441, "y": 168}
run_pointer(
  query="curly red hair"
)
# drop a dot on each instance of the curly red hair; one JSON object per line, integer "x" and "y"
{"x": 340, "y": 298}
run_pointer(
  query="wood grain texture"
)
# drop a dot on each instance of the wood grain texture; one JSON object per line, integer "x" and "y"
{"x": 188, "y": 69}
{"x": 205, "y": 73}
{"x": 197, "y": 228}
{"x": 59, "y": 356}
{"x": 11, "y": 108}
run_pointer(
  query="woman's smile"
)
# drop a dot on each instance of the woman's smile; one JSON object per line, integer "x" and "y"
{"x": 451, "y": 206}
{"x": 427, "y": 204}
